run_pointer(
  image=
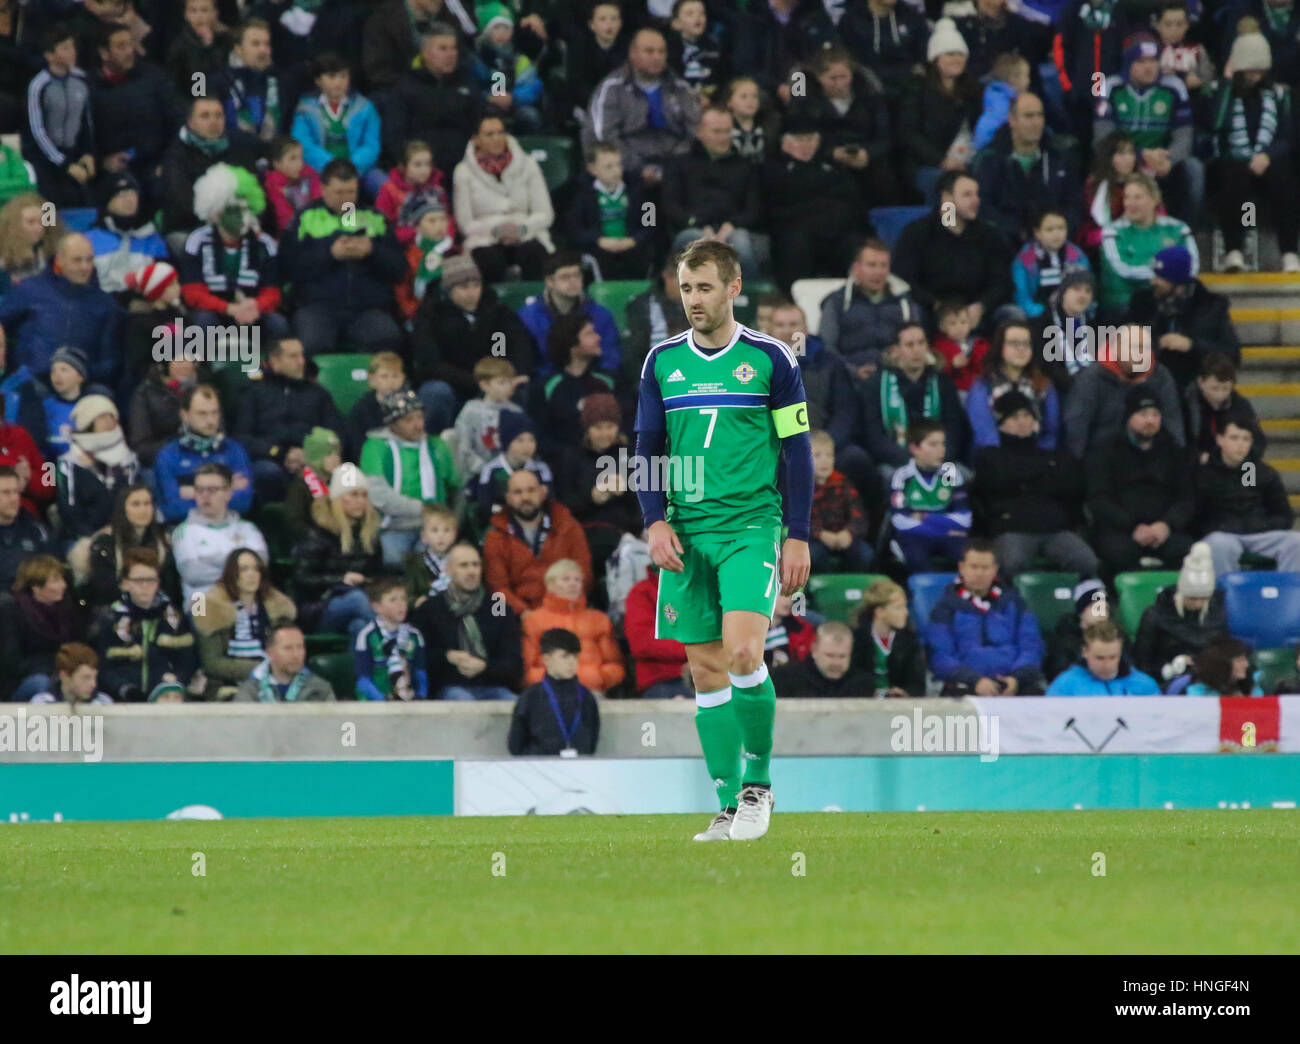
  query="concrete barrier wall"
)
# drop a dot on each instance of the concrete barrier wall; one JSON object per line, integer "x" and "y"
{"x": 369, "y": 731}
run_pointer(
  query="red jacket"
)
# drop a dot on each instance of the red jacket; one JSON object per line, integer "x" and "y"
{"x": 16, "y": 444}
{"x": 657, "y": 659}
{"x": 393, "y": 193}
{"x": 965, "y": 375}
{"x": 510, "y": 567}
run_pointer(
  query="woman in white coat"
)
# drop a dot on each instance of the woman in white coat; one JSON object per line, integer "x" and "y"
{"x": 502, "y": 204}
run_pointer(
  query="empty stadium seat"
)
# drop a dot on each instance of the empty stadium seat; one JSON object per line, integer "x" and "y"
{"x": 1136, "y": 592}
{"x": 554, "y": 154}
{"x": 515, "y": 295}
{"x": 836, "y": 595}
{"x": 926, "y": 590}
{"x": 344, "y": 377}
{"x": 615, "y": 294}
{"x": 745, "y": 307}
{"x": 808, "y": 295}
{"x": 1272, "y": 665}
{"x": 339, "y": 669}
{"x": 1263, "y": 608}
{"x": 889, "y": 222}
{"x": 1049, "y": 595}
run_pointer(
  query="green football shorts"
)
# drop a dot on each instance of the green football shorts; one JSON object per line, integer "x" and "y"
{"x": 717, "y": 576}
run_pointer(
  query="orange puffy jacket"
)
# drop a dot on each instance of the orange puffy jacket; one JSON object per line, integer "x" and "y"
{"x": 600, "y": 663}
{"x": 509, "y": 565}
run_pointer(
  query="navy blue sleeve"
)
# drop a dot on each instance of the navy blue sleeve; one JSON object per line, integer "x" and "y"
{"x": 797, "y": 506}
{"x": 651, "y": 436}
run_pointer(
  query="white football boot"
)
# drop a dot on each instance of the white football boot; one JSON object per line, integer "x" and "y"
{"x": 753, "y": 813}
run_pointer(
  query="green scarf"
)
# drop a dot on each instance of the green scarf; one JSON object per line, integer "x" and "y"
{"x": 429, "y": 270}
{"x": 203, "y": 444}
{"x": 266, "y": 691}
{"x": 880, "y": 661}
{"x": 463, "y": 606}
{"x": 209, "y": 147}
{"x": 894, "y": 410}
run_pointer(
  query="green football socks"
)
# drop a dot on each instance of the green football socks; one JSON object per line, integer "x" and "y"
{"x": 715, "y": 721}
{"x": 755, "y": 700}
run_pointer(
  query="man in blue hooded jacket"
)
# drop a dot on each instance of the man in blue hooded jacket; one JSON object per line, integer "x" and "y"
{"x": 1103, "y": 670}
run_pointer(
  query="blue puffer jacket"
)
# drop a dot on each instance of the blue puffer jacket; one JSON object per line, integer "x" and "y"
{"x": 537, "y": 316}
{"x": 175, "y": 466}
{"x": 47, "y": 312}
{"x": 967, "y": 644}
{"x": 1079, "y": 681}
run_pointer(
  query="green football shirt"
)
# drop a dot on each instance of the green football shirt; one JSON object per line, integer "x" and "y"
{"x": 723, "y": 413}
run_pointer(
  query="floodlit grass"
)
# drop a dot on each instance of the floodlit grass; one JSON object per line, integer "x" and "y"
{"x": 959, "y": 882}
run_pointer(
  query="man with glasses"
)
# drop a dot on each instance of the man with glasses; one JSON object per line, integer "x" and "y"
{"x": 210, "y": 532}
{"x": 143, "y": 640}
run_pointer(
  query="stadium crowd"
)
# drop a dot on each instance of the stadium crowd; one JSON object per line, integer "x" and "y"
{"x": 1016, "y": 366}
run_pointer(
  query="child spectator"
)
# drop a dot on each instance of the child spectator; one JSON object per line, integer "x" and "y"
{"x": 1213, "y": 400}
{"x": 790, "y": 637}
{"x": 517, "y": 434}
{"x": 201, "y": 47}
{"x": 432, "y": 243}
{"x": 839, "y": 525}
{"x": 508, "y": 78}
{"x": 1010, "y": 76}
{"x": 415, "y": 182}
{"x": 606, "y": 219}
{"x": 384, "y": 376}
{"x": 60, "y": 130}
{"x": 694, "y": 51}
{"x": 339, "y": 123}
{"x": 754, "y": 128}
{"x": 600, "y": 660}
{"x": 389, "y": 652}
{"x": 886, "y": 646}
{"x": 426, "y": 566}
{"x": 1180, "y": 57}
{"x": 78, "y": 670}
{"x": 598, "y": 51}
{"x": 479, "y": 421}
{"x": 124, "y": 237}
{"x": 97, "y": 463}
{"x": 1115, "y": 158}
{"x": 68, "y": 386}
{"x": 322, "y": 452}
{"x": 964, "y": 353}
{"x": 1043, "y": 262}
{"x": 557, "y": 715}
{"x": 290, "y": 183}
{"x": 929, "y": 500}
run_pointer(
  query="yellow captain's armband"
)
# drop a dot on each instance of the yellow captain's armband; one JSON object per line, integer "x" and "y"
{"x": 790, "y": 420}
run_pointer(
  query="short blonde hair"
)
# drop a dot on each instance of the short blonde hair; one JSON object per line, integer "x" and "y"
{"x": 821, "y": 437}
{"x": 878, "y": 595}
{"x": 386, "y": 361}
{"x": 559, "y": 566}
{"x": 491, "y": 366}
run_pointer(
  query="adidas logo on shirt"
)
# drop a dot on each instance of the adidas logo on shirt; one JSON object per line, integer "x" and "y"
{"x": 676, "y": 375}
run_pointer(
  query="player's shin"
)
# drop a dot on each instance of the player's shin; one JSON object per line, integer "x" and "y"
{"x": 755, "y": 700}
{"x": 715, "y": 721}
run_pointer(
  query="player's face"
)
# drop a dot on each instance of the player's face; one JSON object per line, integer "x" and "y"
{"x": 1103, "y": 658}
{"x": 978, "y": 569}
{"x": 706, "y": 299}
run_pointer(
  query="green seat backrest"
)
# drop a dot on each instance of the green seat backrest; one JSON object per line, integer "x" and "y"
{"x": 553, "y": 154}
{"x": 344, "y": 377}
{"x": 515, "y": 295}
{"x": 745, "y": 308}
{"x": 1136, "y": 592}
{"x": 339, "y": 669}
{"x": 615, "y": 294}
{"x": 836, "y": 595}
{"x": 1049, "y": 595}
{"x": 1273, "y": 665}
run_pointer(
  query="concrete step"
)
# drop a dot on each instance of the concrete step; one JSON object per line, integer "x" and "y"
{"x": 1253, "y": 284}
{"x": 1273, "y": 400}
{"x": 1266, "y": 326}
{"x": 1270, "y": 364}
{"x": 1289, "y": 469}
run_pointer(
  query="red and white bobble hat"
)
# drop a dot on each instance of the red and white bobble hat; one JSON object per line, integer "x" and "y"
{"x": 152, "y": 280}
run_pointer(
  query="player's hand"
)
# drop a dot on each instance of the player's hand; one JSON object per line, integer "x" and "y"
{"x": 795, "y": 565}
{"x": 665, "y": 548}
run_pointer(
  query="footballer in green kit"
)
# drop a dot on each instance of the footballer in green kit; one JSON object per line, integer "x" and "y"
{"x": 721, "y": 413}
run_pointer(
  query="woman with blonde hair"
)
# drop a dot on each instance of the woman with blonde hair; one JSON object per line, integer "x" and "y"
{"x": 600, "y": 663}
{"x": 340, "y": 553}
{"x": 27, "y": 242}
{"x": 884, "y": 644}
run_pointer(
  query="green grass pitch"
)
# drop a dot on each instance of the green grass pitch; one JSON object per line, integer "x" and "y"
{"x": 958, "y": 882}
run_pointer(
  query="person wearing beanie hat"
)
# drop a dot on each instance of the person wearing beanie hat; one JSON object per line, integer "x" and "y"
{"x": 945, "y": 38}
{"x": 517, "y": 437}
{"x": 71, "y": 357}
{"x": 600, "y": 408}
{"x": 406, "y": 468}
{"x": 1187, "y": 319}
{"x": 426, "y": 253}
{"x": 158, "y": 283}
{"x": 167, "y": 692}
{"x": 67, "y": 386}
{"x": 1183, "y": 618}
{"x": 459, "y": 271}
{"x": 499, "y": 64}
{"x": 123, "y": 237}
{"x": 98, "y": 461}
{"x": 1238, "y": 515}
{"x": 1156, "y": 110}
{"x": 1253, "y": 133}
{"x": 1029, "y": 499}
{"x": 1092, "y": 604}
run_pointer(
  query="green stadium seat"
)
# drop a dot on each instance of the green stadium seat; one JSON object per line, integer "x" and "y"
{"x": 1136, "y": 592}
{"x": 339, "y": 669}
{"x": 745, "y": 308}
{"x": 1272, "y": 665}
{"x": 1049, "y": 595}
{"x": 836, "y": 595}
{"x": 344, "y": 377}
{"x": 515, "y": 295}
{"x": 615, "y": 294}
{"x": 326, "y": 643}
{"x": 553, "y": 154}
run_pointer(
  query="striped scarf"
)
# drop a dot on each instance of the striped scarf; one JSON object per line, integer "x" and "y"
{"x": 1239, "y": 144}
{"x": 894, "y": 410}
{"x": 250, "y": 630}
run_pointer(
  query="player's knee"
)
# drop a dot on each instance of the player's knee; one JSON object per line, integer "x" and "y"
{"x": 745, "y": 659}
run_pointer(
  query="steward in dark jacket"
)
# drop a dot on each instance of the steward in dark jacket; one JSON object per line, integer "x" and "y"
{"x": 905, "y": 664}
{"x": 346, "y": 286}
{"x": 1011, "y": 194}
{"x": 1227, "y": 504}
{"x": 534, "y": 730}
{"x": 1169, "y": 630}
{"x": 449, "y": 340}
{"x": 1194, "y": 311}
{"x": 442, "y": 633}
{"x": 940, "y": 264}
{"x": 701, "y": 189}
{"x": 138, "y": 645}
